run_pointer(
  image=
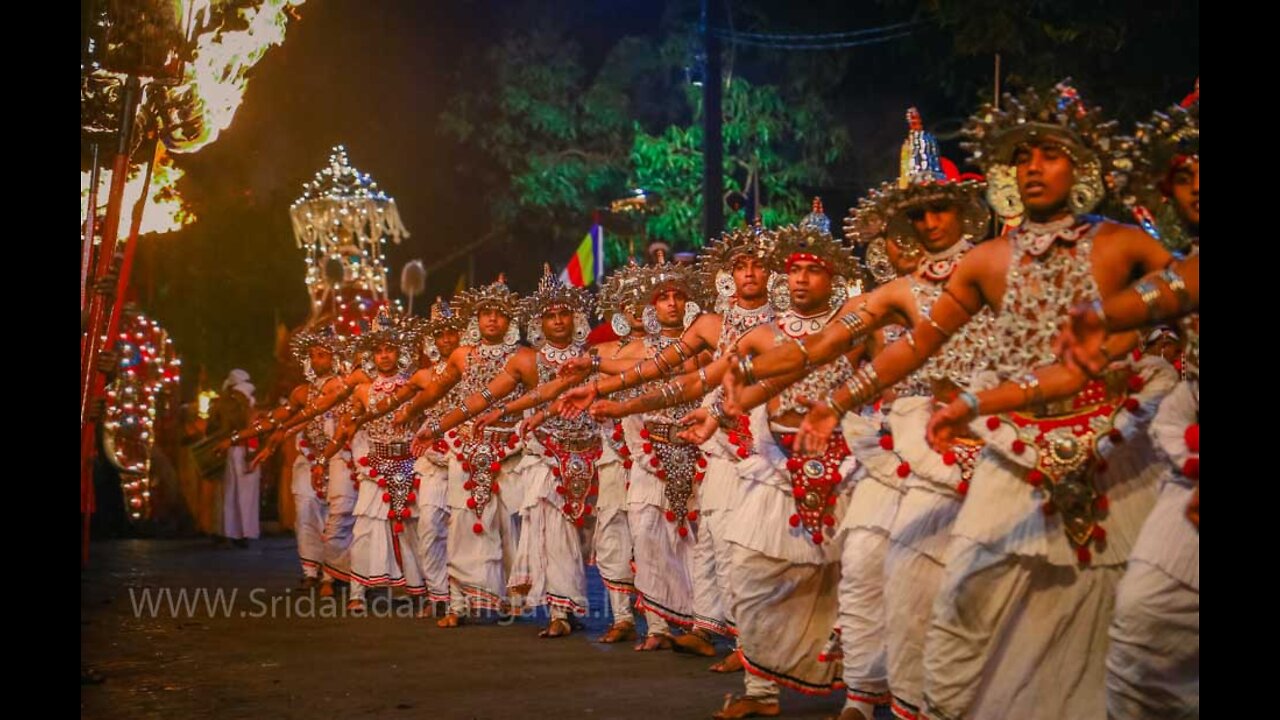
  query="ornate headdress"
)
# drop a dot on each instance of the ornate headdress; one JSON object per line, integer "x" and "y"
{"x": 393, "y": 329}
{"x": 443, "y": 317}
{"x": 883, "y": 213}
{"x": 810, "y": 240}
{"x": 1159, "y": 146}
{"x": 715, "y": 265}
{"x": 630, "y": 288}
{"x": 324, "y": 336}
{"x": 494, "y": 295}
{"x": 1061, "y": 115}
{"x": 552, "y": 293}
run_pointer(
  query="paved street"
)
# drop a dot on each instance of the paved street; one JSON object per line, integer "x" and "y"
{"x": 307, "y": 661}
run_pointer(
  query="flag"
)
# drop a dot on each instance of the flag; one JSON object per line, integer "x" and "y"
{"x": 586, "y": 267}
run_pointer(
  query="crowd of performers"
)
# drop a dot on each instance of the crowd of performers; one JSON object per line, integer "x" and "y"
{"x": 962, "y": 490}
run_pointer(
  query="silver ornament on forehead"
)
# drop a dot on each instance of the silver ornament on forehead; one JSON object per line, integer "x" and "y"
{"x": 725, "y": 286}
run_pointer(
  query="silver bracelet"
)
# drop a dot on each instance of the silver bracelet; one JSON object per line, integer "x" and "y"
{"x": 1150, "y": 295}
{"x": 1178, "y": 286}
{"x": 971, "y": 400}
{"x": 804, "y": 350}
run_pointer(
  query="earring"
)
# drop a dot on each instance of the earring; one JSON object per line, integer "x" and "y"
{"x": 620, "y": 325}
{"x": 650, "y": 318}
{"x": 691, "y": 312}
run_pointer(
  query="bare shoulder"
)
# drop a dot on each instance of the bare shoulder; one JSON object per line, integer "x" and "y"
{"x": 759, "y": 339}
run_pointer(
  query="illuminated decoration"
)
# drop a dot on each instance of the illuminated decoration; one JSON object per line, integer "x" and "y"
{"x": 223, "y": 42}
{"x": 204, "y": 401}
{"x": 147, "y": 371}
{"x": 342, "y": 223}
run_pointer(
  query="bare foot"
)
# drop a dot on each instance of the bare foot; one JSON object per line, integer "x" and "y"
{"x": 850, "y": 714}
{"x": 620, "y": 632}
{"x": 356, "y": 607}
{"x": 655, "y": 642}
{"x": 744, "y": 707}
{"x": 556, "y": 628}
{"x": 730, "y": 664}
{"x": 326, "y": 588}
{"x": 450, "y": 620}
{"x": 693, "y": 643}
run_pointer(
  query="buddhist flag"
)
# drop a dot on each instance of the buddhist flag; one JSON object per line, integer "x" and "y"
{"x": 586, "y": 267}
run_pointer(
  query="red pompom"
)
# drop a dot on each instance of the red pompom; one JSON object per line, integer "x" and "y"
{"x": 1192, "y": 438}
{"x": 733, "y": 437}
{"x": 963, "y": 487}
{"x": 477, "y": 528}
{"x": 794, "y": 520}
{"x": 391, "y": 514}
{"x": 904, "y": 470}
{"x": 469, "y": 485}
{"x": 626, "y": 464}
{"x": 1083, "y": 555}
{"x": 417, "y": 483}
{"x": 1191, "y": 468}
{"x": 364, "y": 461}
{"x": 1019, "y": 447}
{"x": 397, "y": 528}
{"x": 411, "y": 497}
{"x": 471, "y": 503}
{"x": 495, "y": 467}
{"x": 386, "y": 497}
{"x": 647, "y": 447}
{"x": 702, "y": 462}
{"x": 817, "y": 538}
{"x": 586, "y": 509}
{"x": 698, "y": 476}
{"x": 828, "y": 520}
{"x": 382, "y": 482}
{"x": 1136, "y": 383}
{"x": 466, "y": 467}
{"x": 304, "y": 444}
{"x": 1102, "y": 504}
{"x": 798, "y": 492}
{"x": 692, "y": 515}
{"x": 948, "y": 458}
{"x": 671, "y": 516}
{"x": 1115, "y": 435}
{"x": 644, "y": 433}
{"x": 654, "y": 461}
{"x": 993, "y": 422}
{"x": 1132, "y": 404}
{"x": 661, "y": 474}
{"x": 1035, "y": 477}
{"x": 831, "y": 500}
{"x": 684, "y": 531}
{"x": 493, "y": 488}
{"x": 743, "y": 453}
{"x": 373, "y": 472}
{"x": 886, "y": 442}
{"x": 560, "y": 490}
{"x": 1099, "y": 533}
{"x": 579, "y": 521}
{"x": 793, "y": 464}
{"x": 406, "y": 513}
